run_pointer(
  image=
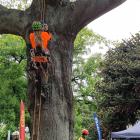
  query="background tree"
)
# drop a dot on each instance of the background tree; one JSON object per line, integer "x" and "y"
{"x": 120, "y": 86}
{"x": 84, "y": 79}
{"x": 65, "y": 21}
{"x": 13, "y": 81}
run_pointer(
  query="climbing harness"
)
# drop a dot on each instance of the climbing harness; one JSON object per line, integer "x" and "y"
{"x": 40, "y": 59}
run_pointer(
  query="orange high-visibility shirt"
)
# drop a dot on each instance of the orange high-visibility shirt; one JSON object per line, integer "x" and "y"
{"x": 45, "y": 36}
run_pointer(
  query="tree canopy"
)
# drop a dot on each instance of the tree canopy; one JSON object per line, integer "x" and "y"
{"x": 85, "y": 76}
{"x": 120, "y": 86}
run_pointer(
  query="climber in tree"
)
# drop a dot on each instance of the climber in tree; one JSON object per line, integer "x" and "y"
{"x": 39, "y": 39}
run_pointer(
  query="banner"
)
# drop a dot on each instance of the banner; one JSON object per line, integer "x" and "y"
{"x": 97, "y": 126}
{"x": 22, "y": 121}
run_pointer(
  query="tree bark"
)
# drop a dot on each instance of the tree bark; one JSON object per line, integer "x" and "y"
{"x": 57, "y": 110}
{"x": 65, "y": 19}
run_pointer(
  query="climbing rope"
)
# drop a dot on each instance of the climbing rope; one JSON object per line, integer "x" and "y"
{"x": 37, "y": 110}
{"x": 43, "y": 11}
{"x": 40, "y": 102}
{"x": 37, "y": 105}
{"x": 34, "y": 116}
{"x": 36, "y": 124}
{"x": 42, "y": 5}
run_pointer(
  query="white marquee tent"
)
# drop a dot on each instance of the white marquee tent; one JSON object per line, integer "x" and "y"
{"x": 132, "y": 132}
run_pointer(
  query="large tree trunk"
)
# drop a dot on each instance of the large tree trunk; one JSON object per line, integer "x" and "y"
{"x": 57, "y": 114}
{"x": 65, "y": 19}
{"x": 56, "y": 111}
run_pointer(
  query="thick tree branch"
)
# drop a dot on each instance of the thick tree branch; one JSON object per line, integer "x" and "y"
{"x": 12, "y": 21}
{"x": 87, "y": 10}
{"x": 69, "y": 17}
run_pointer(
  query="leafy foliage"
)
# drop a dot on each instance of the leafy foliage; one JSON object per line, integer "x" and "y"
{"x": 86, "y": 39}
{"x": 16, "y": 4}
{"x": 13, "y": 82}
{"x": 120, "y": 86}
{"x": 84, "y": 80}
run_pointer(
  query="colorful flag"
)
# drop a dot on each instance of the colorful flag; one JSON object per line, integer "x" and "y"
{"x": 22, "y": 121}
{"x": 97, "y": 126}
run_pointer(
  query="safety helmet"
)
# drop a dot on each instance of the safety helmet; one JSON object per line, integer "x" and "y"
{"x": 85, "y": 132}
{"x": 36, "y": 25}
